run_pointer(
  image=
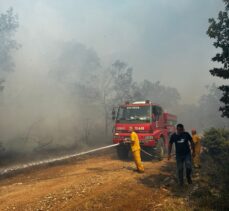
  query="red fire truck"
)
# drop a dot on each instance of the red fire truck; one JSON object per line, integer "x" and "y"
{"x": 152, "y": 124}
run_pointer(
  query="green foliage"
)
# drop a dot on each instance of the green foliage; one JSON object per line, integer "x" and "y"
{"x": 219, "y": 30}
{"x": 227, "y": 4}
{"x": 216, "y": 143}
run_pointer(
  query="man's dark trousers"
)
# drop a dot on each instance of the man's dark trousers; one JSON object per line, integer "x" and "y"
{"x": 181, "y": 161}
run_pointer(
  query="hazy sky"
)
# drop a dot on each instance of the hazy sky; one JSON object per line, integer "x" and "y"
{"x": 163, "y": 40}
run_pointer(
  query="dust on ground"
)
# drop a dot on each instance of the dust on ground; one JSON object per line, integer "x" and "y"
{"x": 99, "y": 182}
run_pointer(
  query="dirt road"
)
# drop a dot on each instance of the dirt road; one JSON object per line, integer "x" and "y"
{"x": 99, "y": 182}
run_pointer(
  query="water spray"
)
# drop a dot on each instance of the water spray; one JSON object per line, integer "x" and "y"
{"x": 52, "y": 160}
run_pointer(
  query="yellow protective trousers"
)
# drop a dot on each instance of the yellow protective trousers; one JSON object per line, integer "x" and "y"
{"x": 196, "y": 160}
{"x": 196, "y": 139}
{"x": 137, "y": 160}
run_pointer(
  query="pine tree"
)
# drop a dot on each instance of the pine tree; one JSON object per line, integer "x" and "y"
{"x": 219, "y": 30}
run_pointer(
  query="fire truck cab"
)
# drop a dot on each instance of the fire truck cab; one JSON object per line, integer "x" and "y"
{"x": 152, "y": 124}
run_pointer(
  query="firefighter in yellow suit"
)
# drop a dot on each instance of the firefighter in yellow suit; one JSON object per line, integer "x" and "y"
{"x": 136, "y": 150}
{"x": 196, "y": 139}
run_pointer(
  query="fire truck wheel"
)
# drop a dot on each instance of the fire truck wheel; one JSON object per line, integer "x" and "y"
{"x": 122, "y": 152}
{"x": 160, "y": 149}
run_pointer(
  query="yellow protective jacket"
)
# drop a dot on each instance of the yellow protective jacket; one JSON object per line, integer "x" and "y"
{"x": 196, "y": 139}
{"x": 135, "y": 145}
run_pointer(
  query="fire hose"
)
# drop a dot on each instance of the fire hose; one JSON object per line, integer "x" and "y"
{"x": 62, "y": 158}
{"x": 52, "y": 160}
{"x": 142, "y": 150}
{"x": 151, "y": 154}
{"x": 146, "y": 153}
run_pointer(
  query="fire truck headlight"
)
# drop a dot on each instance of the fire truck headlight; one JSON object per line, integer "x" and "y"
{"x": 149, "y": 137}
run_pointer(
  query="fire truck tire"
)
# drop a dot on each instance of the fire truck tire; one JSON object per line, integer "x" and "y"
{"x": 160, "y": 149}
{"x": 122, "y": 152}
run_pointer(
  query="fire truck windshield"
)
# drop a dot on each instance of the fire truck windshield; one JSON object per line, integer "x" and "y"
{"x": 133, "y": 114}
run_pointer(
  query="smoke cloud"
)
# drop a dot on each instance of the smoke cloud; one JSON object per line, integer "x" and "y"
{"x": 53, "y": 98}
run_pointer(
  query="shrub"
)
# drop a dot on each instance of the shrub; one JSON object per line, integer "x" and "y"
{"x": 216, "y": 159}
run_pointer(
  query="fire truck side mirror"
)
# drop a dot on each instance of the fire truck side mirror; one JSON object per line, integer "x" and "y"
{"x": 113, "y": 114}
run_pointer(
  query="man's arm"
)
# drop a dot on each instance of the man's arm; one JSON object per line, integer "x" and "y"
{"x": 192, "y": 145}
{"x": 193, "y": 149}
{"x": 131, "y": 140}
{"x": 128, "y": 141}
{"x": 170, "y": 147}
{"x": 169, "y": 150}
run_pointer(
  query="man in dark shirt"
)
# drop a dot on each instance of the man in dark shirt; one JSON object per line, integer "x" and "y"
{"x": 182, "y": 141}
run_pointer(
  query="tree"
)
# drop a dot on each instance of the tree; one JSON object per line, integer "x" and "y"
{"x": 77, "y": 68}
{"x": 165, "y": 96}
{"x": 216, "y": 160}
{"x": 205, "y": 114}
{"x": 116, "y": 86}
{"x": 219, "y": 30}
{"x": 122, "y": 76}
{"x": 208, "y": 113}
{"x": 8, "y": 28}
